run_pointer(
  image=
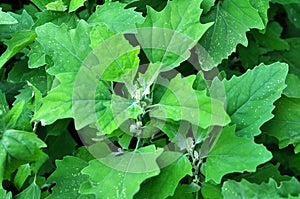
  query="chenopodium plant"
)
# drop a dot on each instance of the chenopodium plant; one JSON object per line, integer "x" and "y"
{"x": 152, "y": 132}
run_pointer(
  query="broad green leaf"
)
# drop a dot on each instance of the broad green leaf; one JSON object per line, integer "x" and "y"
{"x": 22, "y": 174}
{"x": 186, "y": 190}
{"x": 68, "y": 177}
{"x": 231, "y": 153}
{"x": 198, "y": 108}
{"x": 18, "y": 41}
{"x": 116, "y": 17}
{"x": 168, "y": 35}
{"x": 157, "y": 187}
{"x": 250, "y": 97}
{"x": 5, "y": 18}
{"x": 57, "y": 5}
{"x": 128, "y": 171}
{"x": 67, "y": 48}
{"x": 285, "y": 125}
{"x": 33, "y": 191}
{"x": 244, "y": 189}
{"x": 293, "y": 86}
{"x": 285, "y": 1}
{"x": 22, "y": 145}
{"x": 232, "y": 19}
{"x": 75, "y": 4}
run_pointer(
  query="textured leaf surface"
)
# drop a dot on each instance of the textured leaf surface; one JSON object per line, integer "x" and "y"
{"x": 250, "y": 97}
{"x": 198, "y": 109}
{"x": 167, "y": 36}
{"x": 116, "y": 18}
{"x": 285, "y": 126}
{"x": 127, "y": 176}
{"x": 231, "y": 153}
{"x": 67, "y": 177}
{"x": 157, "y": 187}
{"x": 232, "y": 19}
{"x": 245, "y": 189}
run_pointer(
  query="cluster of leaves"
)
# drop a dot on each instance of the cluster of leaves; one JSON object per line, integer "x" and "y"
{"x": 90, "y": 105}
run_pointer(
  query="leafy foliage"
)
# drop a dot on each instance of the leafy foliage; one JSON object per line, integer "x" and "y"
{"x": 149, "y": 99}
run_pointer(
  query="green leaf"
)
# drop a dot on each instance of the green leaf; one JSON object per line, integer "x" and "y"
{"x": 129, "y": 172}
{"x": 262, "y": 7}
{"x": 12, "y": 117}
{"x": 75, "y": 4}
{"x": 231, "y": 153}
{"x": 41, "y": 4}
{"x": 57, "y": 18}
{"x": 250, "y": 97}
{"x": 232, "y": 19}
{"x": 185, "y": 190}
{"x": 4, "y": 194}
{"x": 157, "y": 187}
{"x": 23, "y": 173}
{"x": 68, "y": 177}
{"x": 5, "y": 18}
{"x": 206, "y": 5}
{"x": 36, "y": 56}
{"x": 32, "y": 191}
{"x": 293, "y": 86}
{"x": 198, "y": 109}
{"x": 245, "y": 189}
{"x": 167, "y": 36}
{"x": 18, "y": 41}
{"x": 285, "y": 1}
{"x": 116, "y": 17}
{"x": 285, "y": 125}
{"x": 293, "y": 13}
{"x": 22, "y": 145}
{"x": 57, "y": 5}
{"x": 210, "y": 190}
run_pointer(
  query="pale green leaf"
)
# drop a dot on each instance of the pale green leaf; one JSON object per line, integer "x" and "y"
{"x": 198, "y": 108}
{"x": 250, "y": 97}
{"x": 41, "y": 4}
{"x": 128, "y": 171}
{"x": 168, "y": 35}
{"x": 75, "y": 4}
{"x": 231, "y": 153}
{"x": 262, "y": 6}
{"x": 285, "y": 126}
{"x": 5, "y": 18}
{"x": 232, "y": 19}
{"x": 157, "y": 187}
{"x": 36, "y": 55}
{"x": 68, "y": 178}
{"x": 18, "y": 41}
{"x": 116, "y": 17}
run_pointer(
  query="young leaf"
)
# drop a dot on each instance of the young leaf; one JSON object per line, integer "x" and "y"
{"x": 68, "y": 177}
{"x": 127, "y": 172}
{"x": 285, "y": 125}
{"x": 198, "y": 108}
{"x": 57, "y": 5}
{"x": 231, "y": 153}
{"x": 157, "y": 187}
{"x": 6, "y": 19}
{"x": 250, "y": 97}
{"x": 167, "y": 36}
{"x": 116, "y": 17}
{"x": 32, "y": 191}
{"x": 232, "y": 19}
